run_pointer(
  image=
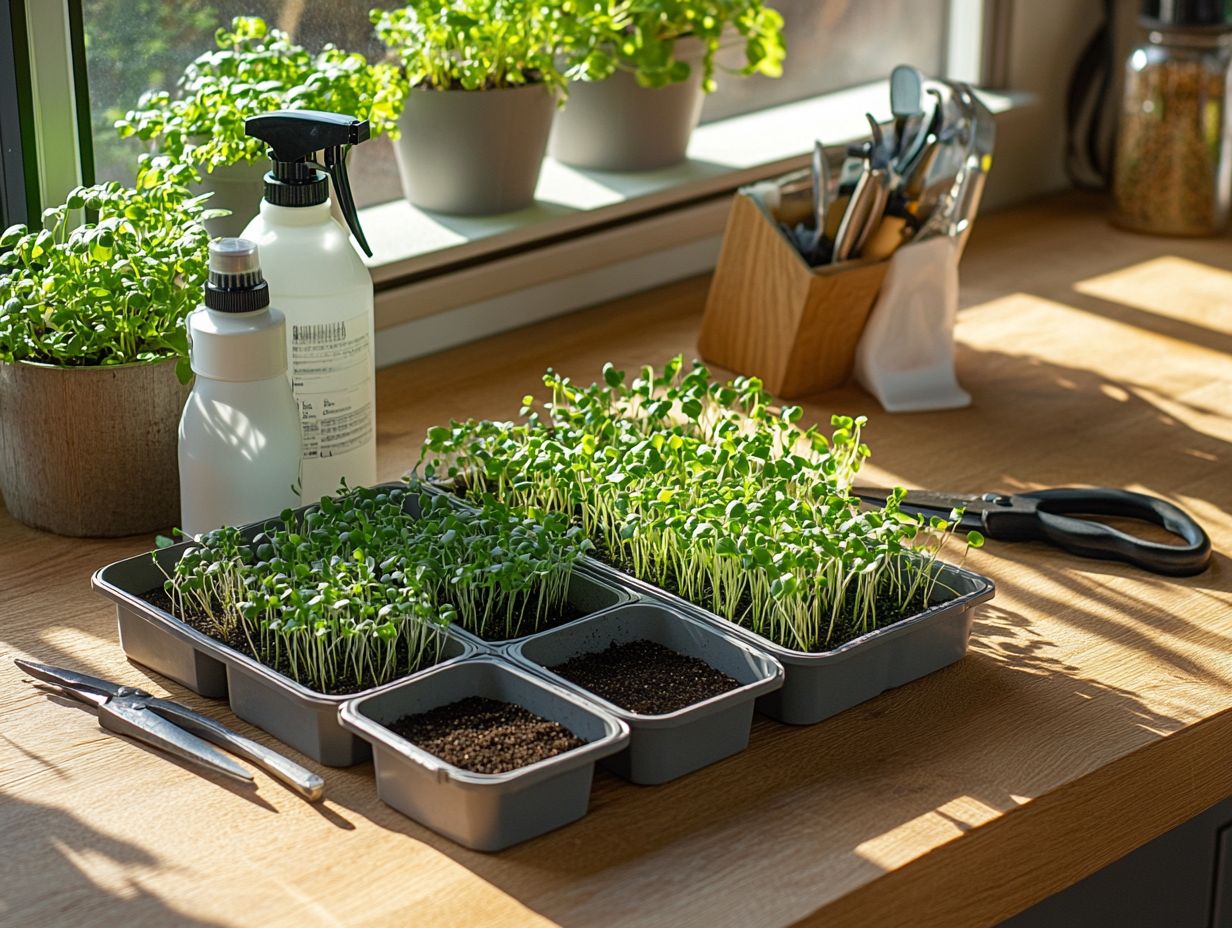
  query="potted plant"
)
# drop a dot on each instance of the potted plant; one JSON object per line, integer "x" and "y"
{"x": 254, "y": 70}
{"x": 640, "y": 80}
{"x": 483, "y": 79}
{"x": 91, "y": 342}
{"x": 710, "y": 496}
{"x": 339, "y": 597}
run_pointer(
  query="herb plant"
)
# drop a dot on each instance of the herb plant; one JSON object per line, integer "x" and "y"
{"x": 482, "y": 44}
{"x": 708, "y": 489}
{"x": 257, "y": 70}
{"x": 114, "y": 290}
{"x": 354, "y": 592}
{"x": 640, "y": 36}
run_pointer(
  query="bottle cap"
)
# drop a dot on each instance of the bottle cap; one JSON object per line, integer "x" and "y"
{"x": 235, "y": 283}
{"x": 1186, "y": 13}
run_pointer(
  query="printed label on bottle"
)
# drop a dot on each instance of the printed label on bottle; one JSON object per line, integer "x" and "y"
{"x": 331, "y": 367}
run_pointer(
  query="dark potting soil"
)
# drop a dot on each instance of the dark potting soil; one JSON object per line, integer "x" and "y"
{"x": 645, "y": 677}
{"x": 346, "y": 685}
{"x": 485, "y": 735}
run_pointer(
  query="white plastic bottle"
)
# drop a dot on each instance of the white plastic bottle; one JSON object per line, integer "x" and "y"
{"x": 319, "y": 281}
{"x": 239, "y": 433}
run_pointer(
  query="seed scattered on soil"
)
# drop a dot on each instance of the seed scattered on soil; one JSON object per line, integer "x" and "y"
{"x": 645, "y": 677}
{"x": 486, "y": 735}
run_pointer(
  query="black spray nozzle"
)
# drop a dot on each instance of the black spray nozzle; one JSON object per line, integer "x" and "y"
{"x": 294, "y": 138}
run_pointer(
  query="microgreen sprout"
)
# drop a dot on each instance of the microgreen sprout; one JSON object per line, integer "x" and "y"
{"x": 355, "y": 591}
{"x": 712, "y": 490}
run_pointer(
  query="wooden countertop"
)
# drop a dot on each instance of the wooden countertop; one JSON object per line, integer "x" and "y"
{"x": 1091, "y": 715}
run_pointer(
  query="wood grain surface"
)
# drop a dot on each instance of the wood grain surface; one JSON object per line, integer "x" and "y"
{"x": 1091, "y": 715}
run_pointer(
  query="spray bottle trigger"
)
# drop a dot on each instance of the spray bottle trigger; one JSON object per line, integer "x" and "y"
{"x": 334, "y": 164}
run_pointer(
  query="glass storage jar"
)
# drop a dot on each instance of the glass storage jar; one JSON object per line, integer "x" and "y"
{"x": 1173, "y": 172}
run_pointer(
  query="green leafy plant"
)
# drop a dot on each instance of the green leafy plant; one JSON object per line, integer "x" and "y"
{"x": 483, "y": 44}
{"x": 257, "y": 70}
{"x": 506, "y": 572}
{"x": 709, "y": 489}
{"x": 354, "y": 591}
{"x": 642, "y": 36}
{"x": 114, "y": 290}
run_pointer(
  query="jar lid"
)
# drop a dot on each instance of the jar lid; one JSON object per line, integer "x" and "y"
{"x": 1183, "y": 13}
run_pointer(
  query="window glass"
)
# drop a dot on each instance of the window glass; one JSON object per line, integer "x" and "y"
{"x": 832, "y": 44}
{"x": 135, "y": 45}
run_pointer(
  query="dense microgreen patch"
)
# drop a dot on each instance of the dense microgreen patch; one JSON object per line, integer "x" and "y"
{"x": 114, "y": 290}
{"x": 257, "y": 70}
{"x": 354, "y": 592}
{"x": 506, "y": 572}
{"x": 709, "y": 489}
{"x": 641, "y": 36}
{"x": 484, "y": 44}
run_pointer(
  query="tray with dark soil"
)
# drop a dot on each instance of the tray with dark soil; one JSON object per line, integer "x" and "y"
{"x": 486, "y": 735}
{"x": 645, "y": 677}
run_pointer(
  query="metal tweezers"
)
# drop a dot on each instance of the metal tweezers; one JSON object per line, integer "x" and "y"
{"x": 173, "y": 728}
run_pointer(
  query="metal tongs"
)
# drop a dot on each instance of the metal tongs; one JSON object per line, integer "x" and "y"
{"x": 173, "y": 728}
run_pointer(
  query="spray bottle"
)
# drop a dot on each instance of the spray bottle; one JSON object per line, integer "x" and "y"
{"x": 320, "y": 283}
{"x": 239, "y": 433}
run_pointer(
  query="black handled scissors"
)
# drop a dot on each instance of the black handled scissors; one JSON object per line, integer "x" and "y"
{"x": 1049, "y": 515}
{"x": 176, "y": 729}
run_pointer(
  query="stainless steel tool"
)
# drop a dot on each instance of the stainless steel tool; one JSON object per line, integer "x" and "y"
{"x": 906, "y": 99}
{"x": 173, "y": 728}
{"x": 821, "y": 195}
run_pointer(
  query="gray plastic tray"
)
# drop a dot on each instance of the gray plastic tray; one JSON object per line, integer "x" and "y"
{"x": 294, "y": 714}
{"x": 663, "y": 747}
{"x": 487, "y": 812}
{"x": 818, "y": 686}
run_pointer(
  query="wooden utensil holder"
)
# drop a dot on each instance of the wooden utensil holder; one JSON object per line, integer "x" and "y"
{"x": 772, "y": 316}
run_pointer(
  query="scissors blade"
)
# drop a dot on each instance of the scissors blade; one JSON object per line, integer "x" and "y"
{"x": 127, "y": 715}
{"x": 930, "y": 503}
{"x": 74, "y": 682}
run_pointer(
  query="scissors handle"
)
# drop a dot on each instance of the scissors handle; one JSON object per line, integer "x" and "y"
{"x": 1056, "y": 508}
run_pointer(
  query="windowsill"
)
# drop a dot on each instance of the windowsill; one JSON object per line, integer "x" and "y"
{"x": 410, "y": 243}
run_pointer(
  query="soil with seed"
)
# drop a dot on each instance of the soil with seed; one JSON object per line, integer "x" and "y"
{"x": 645, "y": 677}
{"x": 486, "y": 735}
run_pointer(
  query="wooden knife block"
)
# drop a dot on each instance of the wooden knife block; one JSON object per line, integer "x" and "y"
{"x": 770, "y": 315}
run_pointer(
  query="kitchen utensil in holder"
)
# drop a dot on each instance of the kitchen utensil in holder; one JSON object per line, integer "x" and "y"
{"x": 772, "y": 316}
{"x": 905, "y": 357}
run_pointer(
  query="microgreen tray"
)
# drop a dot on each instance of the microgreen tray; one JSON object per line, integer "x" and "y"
{"x": 819, "y": 685}
{"x": 487, "y": 812}
{"x": 663, "y": 747}
{"x": 294, "y": 714}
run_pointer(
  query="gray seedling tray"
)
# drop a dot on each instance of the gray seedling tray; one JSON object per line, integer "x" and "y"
{"x": 818, "y": 686}
{"x": 588, "y": 594}
{"x": 663, "y": 747}
{"x": 487, "y": 812}
{"x": 294, "y": 714}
